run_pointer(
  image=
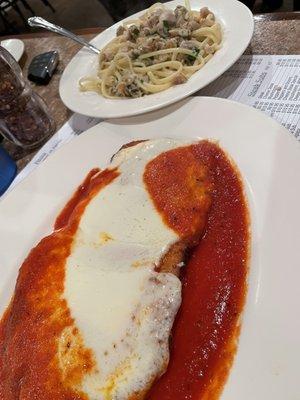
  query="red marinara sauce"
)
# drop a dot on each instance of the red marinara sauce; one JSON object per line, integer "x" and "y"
{"x": 38, "y": 314}
{"x": 214, "y": 285}
{"x": 205, "y": 333}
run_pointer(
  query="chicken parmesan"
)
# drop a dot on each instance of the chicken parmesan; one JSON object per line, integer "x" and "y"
{"x": 95, "y": 302}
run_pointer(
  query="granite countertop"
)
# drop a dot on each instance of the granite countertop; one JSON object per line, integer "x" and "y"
{"x": 270, "y": 37}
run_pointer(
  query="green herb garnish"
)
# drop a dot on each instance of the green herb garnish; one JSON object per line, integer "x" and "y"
{"x": 192, "y": 57}
{"x": 166, "y": 28}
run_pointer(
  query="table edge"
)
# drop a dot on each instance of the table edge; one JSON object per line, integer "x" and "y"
{"x": 267, "y": 17}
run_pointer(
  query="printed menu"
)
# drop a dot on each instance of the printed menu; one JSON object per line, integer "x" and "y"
{"x": 269, "y": 83}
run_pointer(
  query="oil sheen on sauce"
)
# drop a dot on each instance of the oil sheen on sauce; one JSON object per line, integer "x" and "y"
{"x": 204, "y": 335}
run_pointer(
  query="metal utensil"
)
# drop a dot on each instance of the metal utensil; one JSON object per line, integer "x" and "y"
{"x": 42, "y": 23}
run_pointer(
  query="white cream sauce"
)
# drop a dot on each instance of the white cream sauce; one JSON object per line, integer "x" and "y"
{"x": 122, "y": 307}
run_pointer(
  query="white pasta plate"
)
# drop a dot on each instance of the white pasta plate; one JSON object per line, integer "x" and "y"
{"x": 267, "y": 362}
{"x": 237, "y": 25}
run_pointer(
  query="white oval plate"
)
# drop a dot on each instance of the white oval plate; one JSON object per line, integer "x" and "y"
{"x": 237, "y": 24}
{"x": 267, "y": 363}
{"x": 15, "y": 47}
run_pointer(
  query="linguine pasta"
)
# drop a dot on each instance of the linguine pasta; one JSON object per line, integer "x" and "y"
{"x": 150, "y": 54}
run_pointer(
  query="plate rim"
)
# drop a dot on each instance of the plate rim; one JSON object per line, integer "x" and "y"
{"x": 129, "y": 119}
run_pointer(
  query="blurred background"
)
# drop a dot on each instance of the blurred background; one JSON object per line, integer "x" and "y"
{"x": 76, "y": 14}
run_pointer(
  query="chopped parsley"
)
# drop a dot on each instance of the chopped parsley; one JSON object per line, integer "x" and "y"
{"x": 194, "y": 55}
{"x": 166, "y": 27}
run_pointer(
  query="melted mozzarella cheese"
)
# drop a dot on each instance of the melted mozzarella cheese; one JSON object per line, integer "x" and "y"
{"x": 122, "y": 307}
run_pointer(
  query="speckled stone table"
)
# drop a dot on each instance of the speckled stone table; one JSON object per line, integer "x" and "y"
{"x": 273, "y": 34}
